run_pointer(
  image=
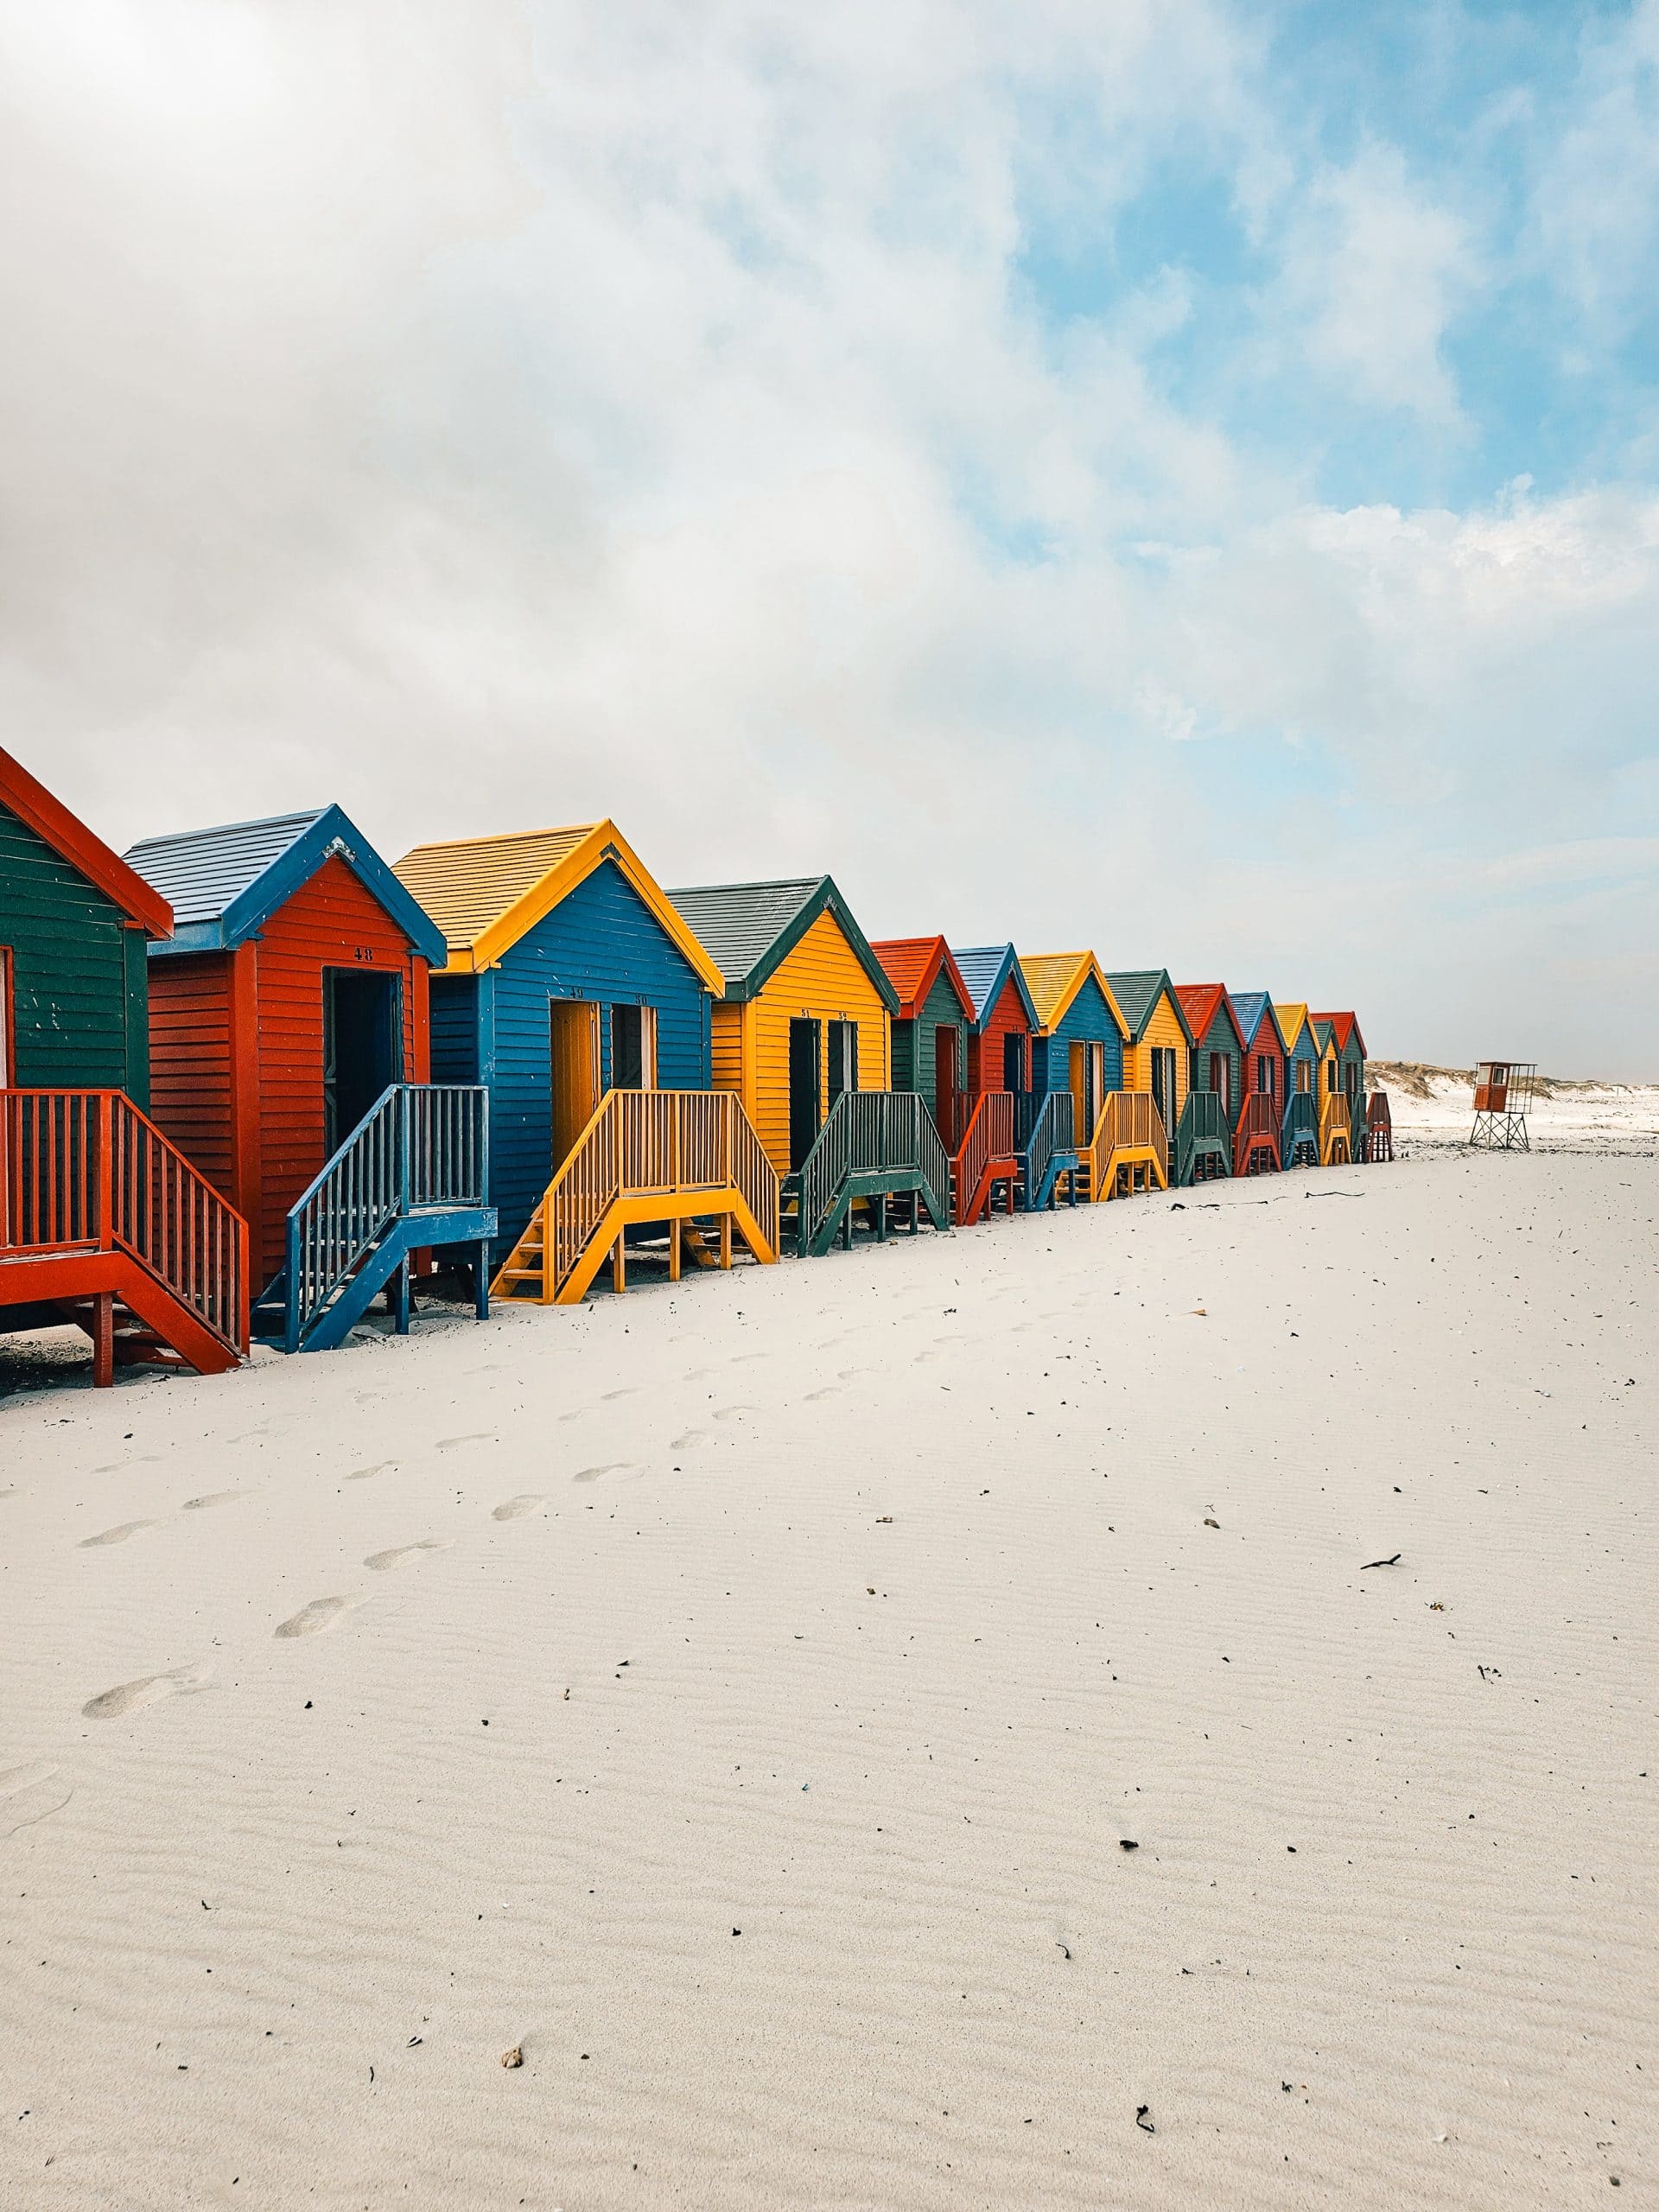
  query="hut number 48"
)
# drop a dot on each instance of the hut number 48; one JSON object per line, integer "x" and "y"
{"x": 365, "y": 952}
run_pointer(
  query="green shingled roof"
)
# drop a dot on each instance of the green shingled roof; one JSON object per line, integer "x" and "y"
{"x": 1137, "y": 992}
{"x": 749, "y": 929}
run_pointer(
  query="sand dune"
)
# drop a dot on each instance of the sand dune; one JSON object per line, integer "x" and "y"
{"x": 774, "y": 1675}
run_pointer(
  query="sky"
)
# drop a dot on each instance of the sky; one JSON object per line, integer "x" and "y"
{"x": 1165, "y": 475}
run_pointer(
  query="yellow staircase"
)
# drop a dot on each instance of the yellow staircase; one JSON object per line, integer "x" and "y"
{"x": 680, "y": 1157}
{"x": 1129, "y": 1150}
{"x": 1336, "y": 1130}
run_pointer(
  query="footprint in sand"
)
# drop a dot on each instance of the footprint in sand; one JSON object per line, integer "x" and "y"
{"x": 477, "y": 1436}
{"x": 150, "y": 1689}
{"x": 628, "y": 1390}
{"x": 31, "y": 1793}
{"x": 609, "y": 1468}
{"x": 401, "y": 1553}
{"x": 686, "y": 1439}
{"x": 731, "y": 1413}
{"x": 215, "y": 1497}
{"x": 321, "y": 1613}
{"x": 518, "y": 1509}
{"x": 362, "y": 1474}
{"x": 115, "y": 1536}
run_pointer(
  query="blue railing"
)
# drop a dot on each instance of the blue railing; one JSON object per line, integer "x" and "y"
{"x": 1300, "y": 1130}
{"x": 421, "y": 1147}
{"x": 1045, "y": 1122}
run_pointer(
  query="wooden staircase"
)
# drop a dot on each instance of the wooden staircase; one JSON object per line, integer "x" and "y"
{"x": 105, "y": 1222}
{"x": 1298, "y": 1133}
{"x": 1045, "y": 1140}
{"x": 684, "y": 1157}
{"x": 1203, "y": 1143}
{"x": 413, "y": 1176}
{"x": 1129, "y": 1150}
{"x": 1336, "y": 1130}
{"x": 1255, "y": 1136}
{"x": 981, "y": 1134}
{"x": 1379, "y": 1127}
{"x": 876, "y": 1146}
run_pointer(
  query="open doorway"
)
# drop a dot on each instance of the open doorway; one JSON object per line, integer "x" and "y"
{"x": 1163, "y": 1083}
{"x": 1014, "y": 1061}
{"x": 1088, "y": 1084}
{"x": 803, "y": 1097}
{"x": 362, "y": 1045}
{"x": 947, "y": 1074}
{"x": 633, "y": 1048}
{"x": 572, "y": 1067}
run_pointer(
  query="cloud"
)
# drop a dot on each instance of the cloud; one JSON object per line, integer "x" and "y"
{"x": 485, "y": 415}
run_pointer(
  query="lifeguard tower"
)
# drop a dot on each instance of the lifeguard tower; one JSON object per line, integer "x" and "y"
{"x": 1504, "y": 1096}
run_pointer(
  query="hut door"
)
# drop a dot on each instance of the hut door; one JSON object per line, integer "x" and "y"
{"x": 1218, "y": 1079}
{"x": 633, "y": 1048}
{"x": 1013, "y": 1062}
{"x": 844, "y": 1058}
{"x": 947, "y": 1073}
{"x": 5, "y": 1017}
{"x": 573, "y": 1044}
{"x": 362, "y": 1047}
{"x": 1163, "y": 1082}
{"x": 803, "y": 1088}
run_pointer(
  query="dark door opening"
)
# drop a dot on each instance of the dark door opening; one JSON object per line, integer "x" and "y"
{"x": 1014, "y": 1061}
{"x": 844, "y": 1058}
{"x": 947, "y": 1074}
{"x": 803, "y": 1088}
{"x": 362, "y": 1047}
{"x": 633, "y": 1048}
{"x": 1163, "y": 1081}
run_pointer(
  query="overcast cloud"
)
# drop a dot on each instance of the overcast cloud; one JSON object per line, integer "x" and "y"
{"x": 1122, "y": 474}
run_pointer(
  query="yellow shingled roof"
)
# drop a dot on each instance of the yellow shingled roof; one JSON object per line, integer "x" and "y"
{"x": 1054, "y": 980}
{"x": 1291, "y": 1018}
{"x": 485, "y": 892}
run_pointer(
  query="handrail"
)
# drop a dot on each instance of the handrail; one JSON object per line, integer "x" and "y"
{"x": 1379, "y": 1127}
{"x": 1129, "y": 1122}
{"x": 1336, "y": 1120}
{"x": 419, "y": 1145}
{"x": 1300, "y": 1126}
{"x": 987, "y": 1136}
{"x": 869, "y": 1132}
{"x": 1045, "y": 1122}
{"x": 1203, "y": 1125}
{"x": 1257, "y": 1124}
{"x": 89, "y": 1171}
{"x": 653, "y": 1144}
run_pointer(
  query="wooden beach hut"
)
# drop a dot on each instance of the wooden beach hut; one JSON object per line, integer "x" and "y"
{"x": 288, "y": 1029}
{"x": 932, "y": 1034}
{"x": 803, "y": 1035}
{"x": 1158, "y": 1056}
{"x": 103, "y": 1222}
{"x": 998, "y": 1076}
{"x": 1299, "y": 1134}
{"x": 1077, "y": 1052}
{"x": 1342, "y": 1044}
{"x": 576, "y": 995}
{"x": 1257, "y": 1129}
{"x": 1218, "y": 1070}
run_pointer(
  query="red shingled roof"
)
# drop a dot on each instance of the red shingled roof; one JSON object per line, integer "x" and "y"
{"x": 912, "y": 963}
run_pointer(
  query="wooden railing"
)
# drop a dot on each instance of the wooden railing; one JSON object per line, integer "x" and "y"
{"x": 1202, "y": 1130}
{"x": 1336, "y": 1121}
{"x": 667, "y": 1144}
{"x": 419, "y": 1146}
{"x": 1355, "y": 1125}
{"x": 1045, "y": 1122}
{"x": 1379, "y": 1127}
{"x": 85, "y": 1171}
{"x": 1129, "y": 1121}
{"x": 985, "y": 1134}
{"x": 1299, "y": 1126}
{"x": 1257, "y": 1125}
{"x": 869, "y": 1133}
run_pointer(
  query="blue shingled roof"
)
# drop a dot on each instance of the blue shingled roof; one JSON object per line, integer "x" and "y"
{"x": 223, "y": 884}
{"x": 1250, "y": 1007}
{"x": 985, "y": 968}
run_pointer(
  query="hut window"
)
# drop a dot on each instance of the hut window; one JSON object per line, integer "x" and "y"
{"x": 1264, "y": 1074}
{"x": 844, "y": 1058}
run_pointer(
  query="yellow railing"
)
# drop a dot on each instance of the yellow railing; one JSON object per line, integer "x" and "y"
{"x": 1129, "y": 1121}
{"x": 673, "y": 1144}
{"x": 1336, "y": 1142}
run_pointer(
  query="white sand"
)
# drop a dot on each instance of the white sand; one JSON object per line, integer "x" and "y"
{"x": 1600, "y": 1117}
{"x": 277, "y": 1900}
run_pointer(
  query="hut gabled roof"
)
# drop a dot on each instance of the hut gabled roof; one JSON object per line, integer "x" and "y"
{"x": 986, "y": 970}
{"x": 86, "y": 853}
{"x": 226, "y": 882}
{"x": 487, "y": 892}
{"x": 1292, "y": 1021}
{"x": 913, "y": 965}
{"x": 1201, "y": 1003}
{"x": 1139, "y": 990}
{"x": 752, "y": 929}
{"x": 1252, "y": 1009}
{"x": 1343, "y": 1027}
{"x": 1054, "y": 980}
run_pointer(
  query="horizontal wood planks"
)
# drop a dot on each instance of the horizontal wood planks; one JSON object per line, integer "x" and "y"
{"x": 190, "y": 1075}
{"x": 1007, "y": 1018}
{"x": 1088, "y": 1020}
{"x": 915, "y": 1063}
{"x": 78, "y": 985}
{"x": 1163, "y": 1032}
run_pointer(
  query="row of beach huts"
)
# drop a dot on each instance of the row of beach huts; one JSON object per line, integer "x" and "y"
{"x": 253, "y": 1078}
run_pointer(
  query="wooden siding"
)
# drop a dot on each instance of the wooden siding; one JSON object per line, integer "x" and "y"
{"x": 726, "y": 1048}
{"x": 79, "y": 994}
{"x": 190, "y": 1062}
{"x": 1220, "y": 1036}
{"x": 914, "y": 1064}
{"x": 823, "y": 980}
{"x": 1266, "y": 1047}
{"x": 1089, "y": 1021}
{"x": 1163, "y": 1030}
{"x": 1007, "y": 1018}
{"x": 454, "y": 1029}
{"x": 600, "y": 943}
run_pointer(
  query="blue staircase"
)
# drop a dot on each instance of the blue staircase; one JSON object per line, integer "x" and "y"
{"x": 1298, "y": 1136}
{"x": 1045, "y": 1143}
{"x": 412, "y": 1176}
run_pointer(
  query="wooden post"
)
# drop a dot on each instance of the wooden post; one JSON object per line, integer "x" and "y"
{"x": 481, "y": 1281}
{"x": 726, "y": 1239}
{"x": 618, "y": 1264}
{"x": 400, "y": 1301}
{"x": 676, "y": 1230}
{"x": 103, "y": 1340}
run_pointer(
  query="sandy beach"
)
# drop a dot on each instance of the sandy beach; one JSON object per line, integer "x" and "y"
{"x": 742, "y": 1700}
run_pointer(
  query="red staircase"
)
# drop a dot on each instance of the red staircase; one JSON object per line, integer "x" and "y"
{"x": 1255, "y": 1139}
{"x": 978, "y": 1129}
{"x": 106, "y": 1221}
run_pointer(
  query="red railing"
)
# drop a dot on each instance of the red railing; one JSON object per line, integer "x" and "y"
{"x": 985, "y": 1134}
{"x": 1258, "y": 1128}
{"x": 86, "y": 1171}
